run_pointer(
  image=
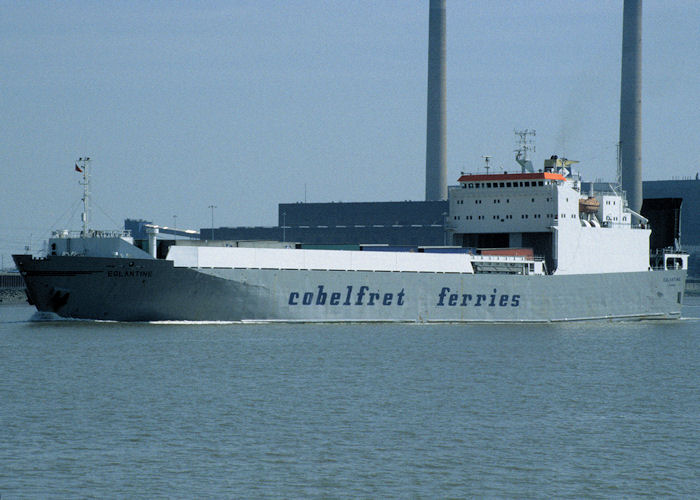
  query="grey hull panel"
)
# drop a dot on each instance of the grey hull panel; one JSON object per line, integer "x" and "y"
{"x": 150, "y": 290}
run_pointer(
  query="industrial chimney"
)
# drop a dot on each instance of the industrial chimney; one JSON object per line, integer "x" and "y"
{"x": 435, "y": 165}
{"x": 631, "y": 104}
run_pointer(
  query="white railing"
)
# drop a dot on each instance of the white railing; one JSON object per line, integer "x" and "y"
{"x": 92, "y": 233}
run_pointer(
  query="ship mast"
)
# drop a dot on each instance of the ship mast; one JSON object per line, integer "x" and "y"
{"x": 618, "y": 176}
{"x": 487, "y": 165}
{"x": 83, "y": 165}
{"x": 525, "y": 145}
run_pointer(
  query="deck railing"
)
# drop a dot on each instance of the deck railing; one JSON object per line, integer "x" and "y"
{"x": 93, "y": 233}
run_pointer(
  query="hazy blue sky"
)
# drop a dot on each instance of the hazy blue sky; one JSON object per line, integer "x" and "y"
{"x": 241, "y": 104}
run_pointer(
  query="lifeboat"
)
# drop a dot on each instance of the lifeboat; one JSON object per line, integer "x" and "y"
{"x": 588, "y": 206}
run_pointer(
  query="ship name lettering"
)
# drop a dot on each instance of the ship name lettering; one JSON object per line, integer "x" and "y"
{"x": 493, "y": 299}
{"x": 131, "y": 273}
{"x": 363, "y": 296}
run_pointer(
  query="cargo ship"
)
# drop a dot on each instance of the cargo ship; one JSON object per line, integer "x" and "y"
{"x": 526, "y": 246}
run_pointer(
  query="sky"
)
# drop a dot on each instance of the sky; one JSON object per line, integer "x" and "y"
{"x": 246, "y": 104}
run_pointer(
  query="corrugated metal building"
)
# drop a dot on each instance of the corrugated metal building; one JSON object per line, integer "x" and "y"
{"x": 393, "y": 223}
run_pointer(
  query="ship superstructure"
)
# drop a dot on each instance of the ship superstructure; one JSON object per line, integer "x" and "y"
{"x": 547, "y": 213}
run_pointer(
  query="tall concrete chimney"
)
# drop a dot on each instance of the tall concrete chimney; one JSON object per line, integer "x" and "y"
{"x": 631, "y": 104}
{"x": 435, "y": 164}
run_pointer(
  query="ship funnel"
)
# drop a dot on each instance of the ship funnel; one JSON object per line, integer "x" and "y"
{"x": 435, "y": 163}
{"x": 631, "y": 104}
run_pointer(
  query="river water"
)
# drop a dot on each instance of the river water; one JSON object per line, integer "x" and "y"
{"x": 595, "y": 409}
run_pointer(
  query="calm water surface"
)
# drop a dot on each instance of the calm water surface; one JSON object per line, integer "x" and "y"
{"x": 405, "y": 411}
